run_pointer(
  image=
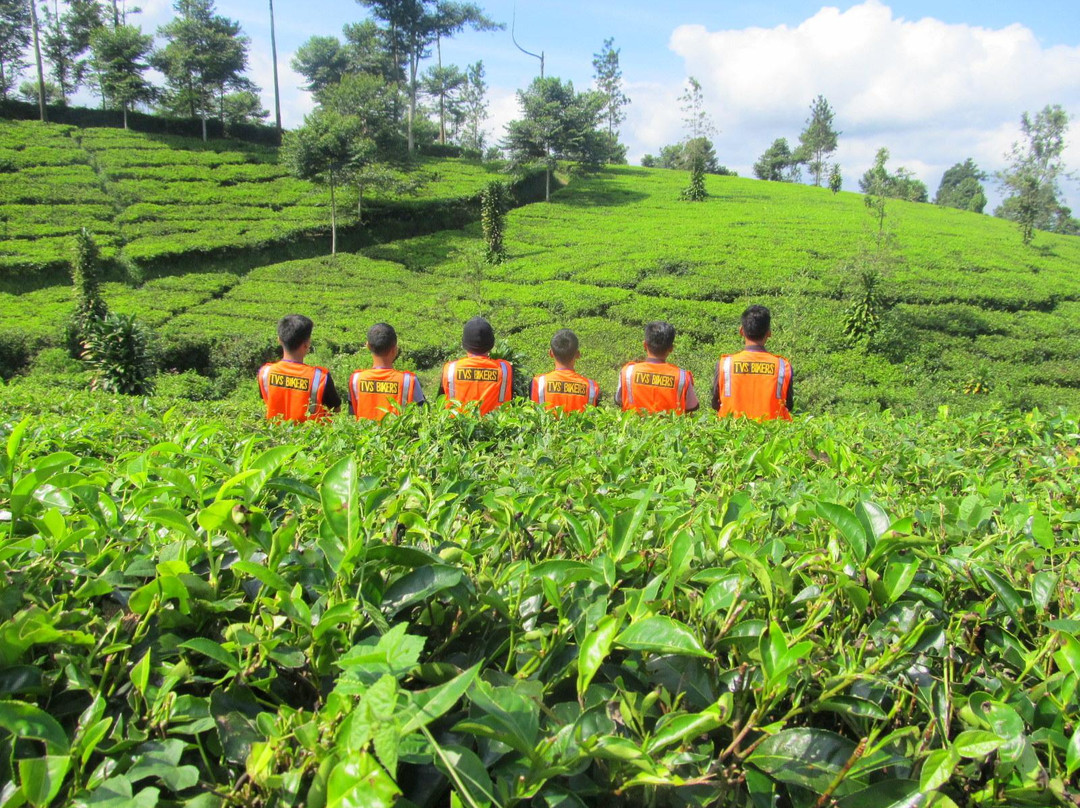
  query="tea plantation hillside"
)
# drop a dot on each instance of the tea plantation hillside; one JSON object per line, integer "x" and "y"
{"x": 970, "y": 317}
{"x": 201, "y": 609}
{"x": 156, "y": 201}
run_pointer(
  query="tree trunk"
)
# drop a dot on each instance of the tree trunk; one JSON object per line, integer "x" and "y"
{"x": 40, "y": 69}
{"x": 414, "y": 64}
{"x": 360, "y": 203}
{"x": 3, "y": 82}
{"x": 115, "y": 14}
{"x": 547, "y": 183}
{"x": 273, "y": 55}
{"x": 333, "y": 217}
{"x": 125, "y": 116}
{"x": 204, "y": 127}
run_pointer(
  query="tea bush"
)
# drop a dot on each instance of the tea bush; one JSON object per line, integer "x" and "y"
{"x": 203, "y": 609}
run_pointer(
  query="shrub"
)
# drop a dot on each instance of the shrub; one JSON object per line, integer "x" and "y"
{"x": 695, "y": 192}
{"x": 89, "y": 306}
{"x": 494, "y": 202}
{"x": 118, "y": 351}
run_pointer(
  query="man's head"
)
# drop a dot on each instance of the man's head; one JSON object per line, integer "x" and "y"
{"x": 294, "y": 332}
{"x": 659, "y": 338}
{"x": 382, "y": 341}
{"x": 477, "y": 337}
{"x": 564, "y": 347}
{"x": 756, "y": 324}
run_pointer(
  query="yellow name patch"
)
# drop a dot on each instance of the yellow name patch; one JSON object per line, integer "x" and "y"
{"x": 653, "y": 379}
{"x": 477, "y": 375}
{"x": 754, "y": 368}
{"x": 567, "y": 388}
{"x": 378, "y": 388}
{"x": 290, "y": 382}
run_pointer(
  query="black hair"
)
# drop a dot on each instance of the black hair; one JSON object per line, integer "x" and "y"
{"x": 564, "y": 345}
{"x": 660, "y": 336}
{"x": 381, "y": 339}
{"x": 294, "y": 330}
{"x": 756, "y": 322}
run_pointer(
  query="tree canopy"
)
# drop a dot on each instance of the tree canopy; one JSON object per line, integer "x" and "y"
{"x": 818, "y": 140}
{"x": 961, "y": 188}
{"x": 558, "y": 123}
{"x": 1031, "y": 179}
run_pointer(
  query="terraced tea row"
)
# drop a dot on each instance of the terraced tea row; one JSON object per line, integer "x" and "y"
{"x": 163, "y": 199}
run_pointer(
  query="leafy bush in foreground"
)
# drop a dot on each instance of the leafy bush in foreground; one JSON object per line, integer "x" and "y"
{"x": 607, "y": 610}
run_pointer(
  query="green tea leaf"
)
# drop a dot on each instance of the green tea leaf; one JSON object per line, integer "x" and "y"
{"x": 937, "y": 769}
{"x": 848, "y": 525}
{"x": 662, "y": 635}
{"x": 360, "y": 783}
{"x": 594, "y": 650}
{"x": 975, "y": 743}
{"x": 809, "y": 758}
{"x": 27, "y": 721}
{"x": 42, "y": 778}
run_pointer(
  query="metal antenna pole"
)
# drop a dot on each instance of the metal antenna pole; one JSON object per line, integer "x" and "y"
{"x": 539, "y": 56}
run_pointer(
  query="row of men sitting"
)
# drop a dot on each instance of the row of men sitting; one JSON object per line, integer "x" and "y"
{"x": 752, "y": 383}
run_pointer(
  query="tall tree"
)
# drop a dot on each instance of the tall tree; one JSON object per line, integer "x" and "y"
{"x": 558, "y": 124}
{"x": 608, "y": 78}
{"x": 778, "y": 163}
{"x": 474, "y": 105}
{"x": 443, "y": 83}
{"x": 696, "y": 119}
{"x": 323, "y": 61}
{"x": 961, "y": 188}
{"x": 415, "y": 26}
{"x": 205, "y": 56}
{"x": 67, "y": 42}
{"x": 273, "y": 56}
{"x": 35, "y": 28}
{"x": 120, "y": 58}
{"x": 15, "y": 35}
{"x": 818, "y": 139}
{"x": 325, "y": 150}
{"x": 1031, "y": 180}
{"x": 877, "y": 181}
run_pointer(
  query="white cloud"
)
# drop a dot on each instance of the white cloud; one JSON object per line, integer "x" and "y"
{"x": 932, "y": 92}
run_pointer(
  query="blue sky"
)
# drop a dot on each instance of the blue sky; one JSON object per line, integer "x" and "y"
{"x": 935, "y": 82}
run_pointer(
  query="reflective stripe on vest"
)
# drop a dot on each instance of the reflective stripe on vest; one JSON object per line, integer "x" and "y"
{"x": 780, "y": 372}
{"x": 592, "y": 392}
{"x": 505, "y": 381}
{"x": 450, "y": 379}
{"x": 727, "y": 376}
{"x": 682, "y": 389}
{"x": 264, "y": 382}
{"x": 628, "y": 385}
{"x": 541, "y": 389}
{"x": 407, "y": 380}
{"x": 315, "y": 395}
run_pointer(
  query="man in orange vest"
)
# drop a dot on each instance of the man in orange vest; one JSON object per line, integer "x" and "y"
{"x": 291, "y": 389}
{"x": 754, "y": 383}
{"x": 564, "y": 388}
{"x": 381, "y": 390}
{"x": 655, "y": 385}
{"x": 478, "y": 377}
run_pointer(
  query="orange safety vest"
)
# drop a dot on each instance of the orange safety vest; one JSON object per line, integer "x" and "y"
{"x": 288, "y": 388}
{"x": 754, "y": 384}
{"x": 376, "y": 392}
{"x": 478, "y": 378}
{"x": 564, "y": 389}
{"x": 655, "y": 387}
